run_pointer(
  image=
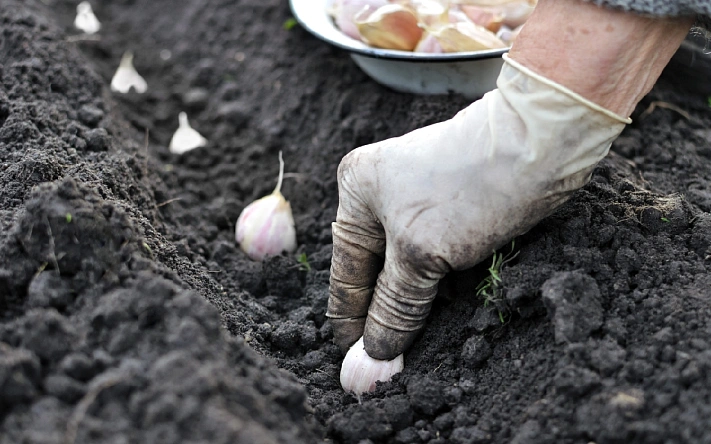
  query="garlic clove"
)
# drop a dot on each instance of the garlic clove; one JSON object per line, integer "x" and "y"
{"x": 266, "y": 226}
{"x": 360, "y": 372}
{"x": 345, "y": 11}
{"x": 514, "y": 12}
{"x": 517, "y": 12}
{"x": 392, "y": 26}
{"x": 429, "y": 44}
{"x": 466, "y": 36}
{"x": 85, "y": 20}
{"x": 185, "y": 137}
{"x": 489, "y": 18}
{"x": 126, "y": 77}
{"x": 431, "y": 12}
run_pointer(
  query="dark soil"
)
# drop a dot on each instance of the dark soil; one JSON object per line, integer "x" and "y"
{"x": 129, "y": 315}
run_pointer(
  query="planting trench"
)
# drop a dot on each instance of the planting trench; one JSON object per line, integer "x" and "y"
{"x": 128, "y": 314}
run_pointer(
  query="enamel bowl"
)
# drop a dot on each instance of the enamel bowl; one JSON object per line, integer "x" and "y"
{"x": 469, "y": 73}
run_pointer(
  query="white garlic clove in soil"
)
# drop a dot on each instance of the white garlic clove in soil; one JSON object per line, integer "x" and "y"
{"x": 266, "y": 226}
{"x": 185, "y": 137}
{"x": 126, "y": 77}
{"x": 85, "y": 20}
{"x": 392, "y": 26}
{"x": 360, "y": 372}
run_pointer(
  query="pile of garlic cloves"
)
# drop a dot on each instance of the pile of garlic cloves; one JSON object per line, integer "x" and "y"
{"x": 432, "y": 26}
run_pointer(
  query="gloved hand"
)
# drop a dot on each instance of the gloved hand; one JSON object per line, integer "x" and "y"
{"x": 443, "y": 197}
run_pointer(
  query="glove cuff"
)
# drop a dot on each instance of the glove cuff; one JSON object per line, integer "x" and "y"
{"x": 592, "y": 105}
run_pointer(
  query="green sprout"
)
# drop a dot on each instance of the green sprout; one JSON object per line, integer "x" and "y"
{"x": 664, "y": 219}
{"x": 490, "y": 287}
{"x": 68, "y": 218}
{"x": 303, "y": 261}
{"x": 709, "y": 100}
{"x": 289, "y": 23}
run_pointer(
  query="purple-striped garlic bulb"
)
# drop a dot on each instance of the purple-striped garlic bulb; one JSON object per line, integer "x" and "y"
{"x": 266, "y": 226}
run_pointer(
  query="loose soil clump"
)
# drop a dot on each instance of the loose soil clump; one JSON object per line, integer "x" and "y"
{"x": 128, "y": 313}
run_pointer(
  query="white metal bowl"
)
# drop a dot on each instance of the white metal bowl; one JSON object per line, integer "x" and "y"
{"x": 469, "y": 73}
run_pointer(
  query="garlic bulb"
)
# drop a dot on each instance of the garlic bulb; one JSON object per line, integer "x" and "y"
{"x": 360, "y": 372}
{"x": 266, "y": 226}
{"x": 392, "y": 26}
{"x": 86, "y": 21}
{"x": 127, "y": 77}
{"x": 185, "y": 137}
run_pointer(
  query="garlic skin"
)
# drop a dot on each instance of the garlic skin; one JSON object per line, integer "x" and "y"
{"x": 360, "y": 372}
{"x": 127, "y": 77}
{"x": 85, "y": 20}
{"x": 392, "y": 26}
{"x": 185, "y": 137}
{"x": 266, "y": 226}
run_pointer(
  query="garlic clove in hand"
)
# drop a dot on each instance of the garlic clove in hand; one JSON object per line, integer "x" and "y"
{"x": 185, "y": 137}
{"x": 392, "y": 26}
{"x": 127, "y": 77}
{"x": 86, "y": 21}
{"x": 266, "y": 226}
{"x": 360, "y": 372}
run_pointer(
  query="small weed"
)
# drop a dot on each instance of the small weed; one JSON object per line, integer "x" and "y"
{"x": 289, "y": 24}
{"x": 709, "y": 100}
{"x": 68, "y": 218}
{"x": 490, "y": 287}
{"x": 303, "y": 261}
{"x": 664, "y": 219}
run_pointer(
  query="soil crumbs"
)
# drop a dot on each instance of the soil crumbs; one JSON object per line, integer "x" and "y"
{"x": 129, "y": 315}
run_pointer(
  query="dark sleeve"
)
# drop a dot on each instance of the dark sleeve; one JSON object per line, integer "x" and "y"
{"x": 699, "y": 8}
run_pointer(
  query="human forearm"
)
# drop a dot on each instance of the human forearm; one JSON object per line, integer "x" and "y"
{"x": 609, "y": 57}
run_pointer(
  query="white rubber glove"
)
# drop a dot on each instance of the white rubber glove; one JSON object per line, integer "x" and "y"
{"x": 443, "y": 197}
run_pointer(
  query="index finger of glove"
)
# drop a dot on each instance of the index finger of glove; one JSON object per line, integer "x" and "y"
{"x": 358, "y": 249}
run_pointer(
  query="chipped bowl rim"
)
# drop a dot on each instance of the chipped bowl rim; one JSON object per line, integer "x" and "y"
{"x": 313, "y": 16}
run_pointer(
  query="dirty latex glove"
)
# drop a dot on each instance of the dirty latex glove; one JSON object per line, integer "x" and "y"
{"x": 443, "y": 197}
